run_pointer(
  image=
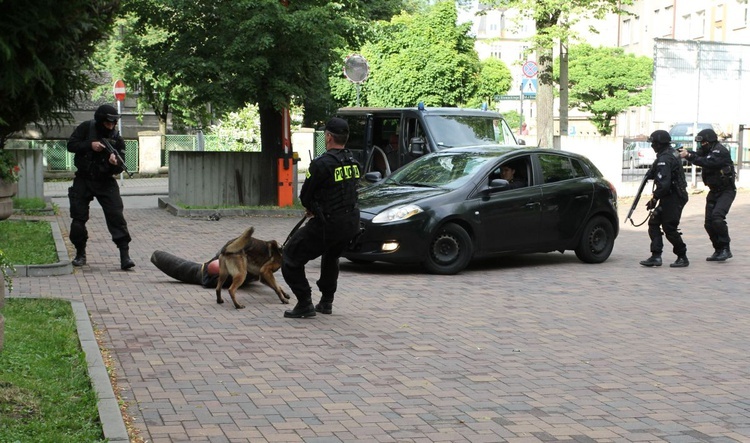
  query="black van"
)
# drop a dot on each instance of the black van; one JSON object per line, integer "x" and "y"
{"x": 384, "y": 139}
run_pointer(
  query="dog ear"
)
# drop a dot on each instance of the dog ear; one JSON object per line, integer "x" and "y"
{"x": 273, "y": 247}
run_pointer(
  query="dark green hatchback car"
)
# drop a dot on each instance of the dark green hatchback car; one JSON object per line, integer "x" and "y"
{"x": 448, "y": 207}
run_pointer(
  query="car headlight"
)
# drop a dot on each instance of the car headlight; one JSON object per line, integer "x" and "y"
{"x": 397, "y": 214}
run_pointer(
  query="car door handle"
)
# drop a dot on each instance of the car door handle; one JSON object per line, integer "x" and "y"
{"x": 532, "y": 205}
{"x": 582, "y": 197}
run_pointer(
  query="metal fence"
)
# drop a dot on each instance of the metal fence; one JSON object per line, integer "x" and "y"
{"x": 58, "y": 159}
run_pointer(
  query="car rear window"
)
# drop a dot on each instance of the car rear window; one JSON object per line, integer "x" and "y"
{"x": 557, "y": 168}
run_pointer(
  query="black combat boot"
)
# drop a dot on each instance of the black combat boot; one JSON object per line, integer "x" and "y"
{"x": 303, "y": 309}
{"x": 723, "y": 254}
{"x": 714, "y": 255}
{"x": 80, "y": 258}
{"x": 681, "y": 262}
{"x": 125, "y": 261}
{"x": 325, "y": 306}
{"x": 654, "y": 260}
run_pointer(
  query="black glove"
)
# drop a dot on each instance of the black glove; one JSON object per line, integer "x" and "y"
{"x": 651, "y": 204}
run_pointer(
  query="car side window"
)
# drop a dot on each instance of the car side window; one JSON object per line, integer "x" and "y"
{"x": 516, "y": 171}
{"x": 356, "y": 141}
{"x": 557, "y": 168}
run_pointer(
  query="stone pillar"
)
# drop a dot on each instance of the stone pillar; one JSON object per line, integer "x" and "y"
{"x": 149, "y": 152}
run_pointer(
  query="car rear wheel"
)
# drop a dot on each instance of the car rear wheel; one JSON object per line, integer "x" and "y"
{"x": 597, "y": 241}
{"x": 450, "y": 250}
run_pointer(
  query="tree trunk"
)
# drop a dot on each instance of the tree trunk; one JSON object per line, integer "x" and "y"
{"x": 271, "y": 150}
{"x": 545, "y": 101}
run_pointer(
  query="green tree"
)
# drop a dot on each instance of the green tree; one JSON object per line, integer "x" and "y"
{"x": 494, "y": 79}
{"x": 606, "y": 81}
{"x": 422, "y": 57}
{"x": 555, "y": 22}
{"x": 45, "y": 48}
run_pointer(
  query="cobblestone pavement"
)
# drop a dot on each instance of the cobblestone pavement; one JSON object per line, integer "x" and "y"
{"x": 532, "y": 348}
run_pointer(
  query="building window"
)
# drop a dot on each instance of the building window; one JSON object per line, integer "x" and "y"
{"x": 700, "y": 24}
{"x": 741, "y": 15}
{"x": 683, "y": 32}
{"x": 625, "y": 37}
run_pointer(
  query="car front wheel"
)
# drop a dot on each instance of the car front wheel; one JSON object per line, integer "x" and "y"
{"x": 450, "y": 250}
{"x": 597, "y": 241}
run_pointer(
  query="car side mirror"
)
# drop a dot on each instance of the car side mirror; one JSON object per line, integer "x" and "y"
{"x": 416, "y": 146}
{"x": 498, "y": 184}
{"x": 373, "y": 176}
{"x": 521, "y": 142}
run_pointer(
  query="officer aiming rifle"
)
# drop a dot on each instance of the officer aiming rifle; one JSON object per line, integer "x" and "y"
{"x": 120, "y": 162}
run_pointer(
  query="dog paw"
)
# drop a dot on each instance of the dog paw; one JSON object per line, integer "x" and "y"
{"x": 239, "y": 306}
{"x": 219, "y": 301}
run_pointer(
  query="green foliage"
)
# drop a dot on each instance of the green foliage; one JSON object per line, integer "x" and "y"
{"x": 45, "y": 391}
{"x": 414, "y": 58}
{"x": 514, "y": 120}
{"x": 9, "y": 168}
{"x": 7, "y": 269}
{"x": 239, "y": 131}
{"x": 606, "y": 81}
{"x": 45, "y": 47}
{"x": 494, "y": 79}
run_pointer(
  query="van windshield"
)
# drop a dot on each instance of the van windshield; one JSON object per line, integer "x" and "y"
{"x": 455, "y": 131}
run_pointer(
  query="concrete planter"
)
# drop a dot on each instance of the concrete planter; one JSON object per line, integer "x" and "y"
{"x": 7, "y": 191}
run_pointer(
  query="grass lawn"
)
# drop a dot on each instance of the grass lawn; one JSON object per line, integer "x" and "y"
{"x": 45, "y": 391}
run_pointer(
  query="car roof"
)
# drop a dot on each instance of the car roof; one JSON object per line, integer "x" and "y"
{"x": 426, "y": 111}
{"x": 506, "y": 149}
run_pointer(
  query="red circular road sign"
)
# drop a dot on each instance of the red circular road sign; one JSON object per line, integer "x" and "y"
{"x": 119, "y": 89}
{"x": 530, "y": 69}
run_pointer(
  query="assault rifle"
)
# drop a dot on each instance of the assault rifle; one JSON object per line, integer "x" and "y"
{"x": 120, "y": 161}
{"x": 637, "y": 199}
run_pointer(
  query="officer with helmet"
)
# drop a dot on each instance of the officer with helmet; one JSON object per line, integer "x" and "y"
{"x": 329, "y": 195}
{"x": 669, "y": 197}
{"x": 95, "y": 168}
{"x": 718, "y": 174}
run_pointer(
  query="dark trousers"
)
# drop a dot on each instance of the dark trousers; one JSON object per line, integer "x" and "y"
{"x": 718, "y": 203}
{"x": 107, "y": 193}
{"x": 666, "y": 217}
{"x": 318, "y": 238}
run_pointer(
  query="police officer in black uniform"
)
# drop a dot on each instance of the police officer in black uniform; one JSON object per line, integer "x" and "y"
{"x": 718, "y": 174}
{"x": 329, "y": 195}
{"x": 669, "y": 197}
{"x": 94, "y": 178}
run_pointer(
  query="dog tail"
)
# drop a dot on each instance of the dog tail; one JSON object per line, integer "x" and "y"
{"x": 238, "y": 244}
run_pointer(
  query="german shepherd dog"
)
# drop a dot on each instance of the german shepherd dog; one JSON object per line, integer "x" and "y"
{"x": 244, "y": 255}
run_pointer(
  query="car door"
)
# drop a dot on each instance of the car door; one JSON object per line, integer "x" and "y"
{"x": 510, "y": 219}
{"x": 567, "y": 197}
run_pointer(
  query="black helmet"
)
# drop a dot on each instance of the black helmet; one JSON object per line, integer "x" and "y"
{"x": 660, "y": 136}
{"x": 106, "y": 113}
{"x": 708, "y": 135}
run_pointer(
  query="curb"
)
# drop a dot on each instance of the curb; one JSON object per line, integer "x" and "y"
{"x": 110, "y": 416}
{"x": 63, "y": 267}
{"x": 165, "y": 203}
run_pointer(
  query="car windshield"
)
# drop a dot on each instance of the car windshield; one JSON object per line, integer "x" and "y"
{"x": 455, "y": 131}
{"x": 445, "y": 169}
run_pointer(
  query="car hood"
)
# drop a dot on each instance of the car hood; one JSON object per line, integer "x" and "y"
{"x": 377, "y": 198}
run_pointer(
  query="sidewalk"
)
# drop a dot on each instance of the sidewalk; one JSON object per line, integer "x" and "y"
{"x": 533, "y": 348}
